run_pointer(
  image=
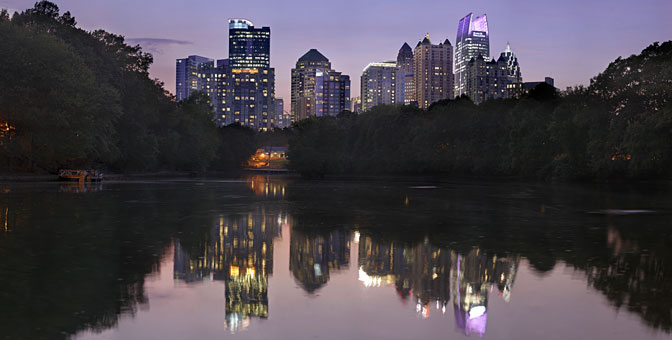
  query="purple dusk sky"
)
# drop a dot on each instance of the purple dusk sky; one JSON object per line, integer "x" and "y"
{"x": 569, "y": 40}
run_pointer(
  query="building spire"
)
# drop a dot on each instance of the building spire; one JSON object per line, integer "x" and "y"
{"x": 427, "y": 35}
{"x": 508, "y": 47}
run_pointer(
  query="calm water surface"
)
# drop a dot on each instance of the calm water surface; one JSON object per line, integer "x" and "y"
{"x": 281, "y": 258}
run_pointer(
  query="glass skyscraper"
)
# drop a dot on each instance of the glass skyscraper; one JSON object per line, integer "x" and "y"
{"x": 405, "y": 62}
{"x": 192, "y": 74}
{"x": 382, "y": 83}
{"x": 473, "y": 39}
{"x": 242, "y": 87}
{"x": 318, "y": 90}
{"x": 249, "y": 47}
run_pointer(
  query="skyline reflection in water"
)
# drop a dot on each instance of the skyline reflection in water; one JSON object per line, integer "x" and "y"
{"x": 275, "y": 258}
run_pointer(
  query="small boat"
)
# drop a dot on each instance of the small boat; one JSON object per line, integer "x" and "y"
{"x": 90, "y": 175}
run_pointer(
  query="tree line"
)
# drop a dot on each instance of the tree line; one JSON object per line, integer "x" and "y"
{"x": 76, "y": 98}
{"x": 620, "y": 126}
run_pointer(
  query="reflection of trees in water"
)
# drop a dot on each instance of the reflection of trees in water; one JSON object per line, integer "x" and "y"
{"x": 632, "y": 275}
{"x": 544, "y": 224}
{"x": 314, "y": 254}
{"x": 70, "y": 264}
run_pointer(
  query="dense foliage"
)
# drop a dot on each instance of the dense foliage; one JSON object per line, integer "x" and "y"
{"x": 72, "y": 98}
{"x": 618, "y": 127}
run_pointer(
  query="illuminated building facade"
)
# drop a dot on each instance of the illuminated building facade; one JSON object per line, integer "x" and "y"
{"x": 382, "y": 84}
{"x": 473, "y": 39}
{"x": 249, "y": 47}
{"x": 248, "y": 98}
{"x": 248, "y": 80}
{"x": 317, "y": 90}
{"x": 194, "y": 73}
{"x": 433, "y": 72}
{"x": 242, "y": 87}
{"x": 405, "y": 62}
{"x": 515, "y": 76}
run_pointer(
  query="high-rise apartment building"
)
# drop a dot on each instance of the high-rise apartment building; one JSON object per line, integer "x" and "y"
{"x": 405, "y": 62}
{"x": 473, "y": 39}
{"x": 486, "y": 79}
{"x": 382, "y": 83}
{"x": 494, "y": 79}
{"x": 433, "y": 72}
{"x": 192, "y": 74}
{"x": 318, "y": 90}
{"x": 249, "y": 98}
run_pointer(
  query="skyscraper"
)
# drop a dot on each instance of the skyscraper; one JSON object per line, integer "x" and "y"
{"x": 405, "y": 62}
{"x": 433, "y": 72}
{"x": 318, "y": 90}
{"x": 486, "y": 79}
{"x": 250, "y": 81}
{"x": 515, "y": 76}
{"x": 494, "y": 79}
{"x": 192, "y": 74}
{"x": 382, "y": 83}
{"x": 473, "y": 39}
{"x": 249, "y": 98}
{"x": 249, "y": 47}
{"x": 242, "y": 87}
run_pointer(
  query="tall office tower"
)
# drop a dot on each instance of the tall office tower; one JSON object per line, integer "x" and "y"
{"x": 382, "y": 83}
{"x": 487, "y": 79}
{"x": 515, "y": 78}
{"x": 405, "y": 62}
{"x": 472, "y": 40}
{"x": 433, "y": 72}
{"x": 192, "y": 74}
{"x": 249, "y": 47}
{"x": 242, "y": 87}
{"x": 317, "y": 90}
{"x": 246, "y": 82}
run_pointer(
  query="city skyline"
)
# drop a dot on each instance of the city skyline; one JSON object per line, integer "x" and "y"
{"x": 570, "y": 53}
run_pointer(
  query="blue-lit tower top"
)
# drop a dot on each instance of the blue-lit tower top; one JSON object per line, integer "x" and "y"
{"x": 473, "y": 39}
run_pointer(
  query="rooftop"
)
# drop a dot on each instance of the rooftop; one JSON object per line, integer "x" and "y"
{"x": 313, "y": 55}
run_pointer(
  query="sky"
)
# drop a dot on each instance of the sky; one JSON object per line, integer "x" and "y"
{"x": 569, "y": 40}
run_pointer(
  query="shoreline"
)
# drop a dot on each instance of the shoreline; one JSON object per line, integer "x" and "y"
{"x": 28, "y": 177}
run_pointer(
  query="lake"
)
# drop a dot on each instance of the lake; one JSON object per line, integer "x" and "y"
{"x": 264, "y": 257}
